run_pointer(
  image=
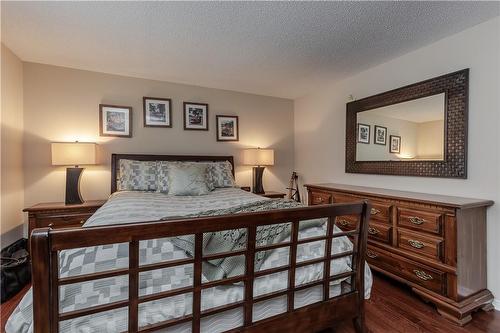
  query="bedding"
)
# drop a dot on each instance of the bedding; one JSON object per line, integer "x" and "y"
{"x": 137, "y": 176}
{"x": 130, "y": 207}
{"x": 187, "y": 179}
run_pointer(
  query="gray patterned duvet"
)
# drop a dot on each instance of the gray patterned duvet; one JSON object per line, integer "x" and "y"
{"x": 129, "y": 207}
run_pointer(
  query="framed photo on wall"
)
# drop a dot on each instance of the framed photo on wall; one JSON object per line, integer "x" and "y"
{"x": 380, "y": 135}
{"x": 195, "y": 116}
{"x": 115, "y": 120}
{"x": 227, "y": 128}
{"x": 395, "y": 144}
{"x": 363, "y": 133}
{"x": 157, "y": 112}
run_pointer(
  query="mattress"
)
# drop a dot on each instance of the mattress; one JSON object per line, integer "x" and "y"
{"x": 129, "y": 207}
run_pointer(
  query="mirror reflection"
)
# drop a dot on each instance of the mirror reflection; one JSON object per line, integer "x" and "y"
{"x": 412, "y": 130}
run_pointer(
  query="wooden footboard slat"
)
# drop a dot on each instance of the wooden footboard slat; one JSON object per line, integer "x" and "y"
{"x": 198, "y": 257}
{"x": 133, "y": 287}
{"x": 46, "y": 282}
{"x": 95, "y": 309}
{"x": 250, "y": 267}
{"x": 293, "y": 262}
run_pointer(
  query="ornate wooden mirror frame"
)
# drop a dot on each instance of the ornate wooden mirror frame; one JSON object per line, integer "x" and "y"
{"x": 456, "y": 88}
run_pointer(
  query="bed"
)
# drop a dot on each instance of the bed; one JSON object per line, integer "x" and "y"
{"x": 227, "y": 261}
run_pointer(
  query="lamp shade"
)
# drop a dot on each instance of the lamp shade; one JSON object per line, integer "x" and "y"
{"x": 258, "y": 156}
{"x": 73, "y": 153}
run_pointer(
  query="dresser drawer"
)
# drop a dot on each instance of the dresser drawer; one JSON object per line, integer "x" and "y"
{"x": 320, "y": 198}
{"x": 61, "y": 221}
{"x": 420, "y": 220}
{"x": 424, "y": 276}
{"x": 380, "y": 212}
{"x": 342, "y": 197}
{"x": 347, "y": 222}
{"x": 421, "y": 244}
{"x": 380, "y": 232}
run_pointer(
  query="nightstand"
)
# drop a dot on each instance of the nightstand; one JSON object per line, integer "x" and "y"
{"x": 58, "y": 215}
{"x": 272, "y": 194}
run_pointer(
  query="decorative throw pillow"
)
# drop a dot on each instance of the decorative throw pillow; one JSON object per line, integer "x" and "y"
{"x": 137, "y": 175}
{"x": 162, "y": 176}
{"x": 187, "y": 179}
{"x": 219, "y": 174}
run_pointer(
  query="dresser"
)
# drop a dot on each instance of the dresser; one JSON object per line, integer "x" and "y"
{"x": 435, "y": 244}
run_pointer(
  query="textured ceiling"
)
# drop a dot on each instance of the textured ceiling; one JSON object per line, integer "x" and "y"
{"x": 284, "y": 49}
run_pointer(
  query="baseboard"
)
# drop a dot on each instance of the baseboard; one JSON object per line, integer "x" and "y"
{"x": 496, "y": 304}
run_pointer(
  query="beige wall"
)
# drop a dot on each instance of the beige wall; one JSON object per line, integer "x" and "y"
{"x": 61, "y": 104}
{"x": 320, "y": 123}
{"x": 12, "y": 192}
{"x": 430, "y": 139}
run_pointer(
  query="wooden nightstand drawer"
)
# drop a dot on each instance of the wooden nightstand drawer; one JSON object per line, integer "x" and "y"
{"x": 58, "y": 215}
{"x": 62, "y": 221}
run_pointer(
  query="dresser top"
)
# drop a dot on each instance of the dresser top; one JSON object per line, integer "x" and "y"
{"x": 445, "y": 200}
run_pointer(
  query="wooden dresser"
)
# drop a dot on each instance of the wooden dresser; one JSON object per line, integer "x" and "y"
{"x": 436, "y": 244}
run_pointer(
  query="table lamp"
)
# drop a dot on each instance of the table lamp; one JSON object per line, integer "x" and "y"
{"x": 76, "y": 154}
{"x": 258, "y": 158}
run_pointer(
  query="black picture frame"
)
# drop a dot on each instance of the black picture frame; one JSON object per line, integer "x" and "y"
{"x": 220, "y": 131}
{"x": 168, "y": 112}
{"x": 375, "y": 137}
{"x": 188, "y": 117}
{"x": 398, "y": 139}
{"x": 359, "y": 132}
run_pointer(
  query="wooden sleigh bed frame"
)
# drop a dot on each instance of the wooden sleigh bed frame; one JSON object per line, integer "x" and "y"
{"x": 46, "y": 242}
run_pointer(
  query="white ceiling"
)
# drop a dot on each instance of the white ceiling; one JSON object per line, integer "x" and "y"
{"x": 284, "y": 49}
{"x": 430, "y": 108}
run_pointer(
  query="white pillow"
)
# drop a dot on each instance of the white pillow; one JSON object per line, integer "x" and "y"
{"x": 187, "y": 179}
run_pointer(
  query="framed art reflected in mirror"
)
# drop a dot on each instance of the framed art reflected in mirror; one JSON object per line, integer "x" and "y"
{"x": 425, "y": 124}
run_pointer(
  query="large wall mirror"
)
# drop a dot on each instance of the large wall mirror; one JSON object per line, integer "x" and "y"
{"x": 417, "y": 130}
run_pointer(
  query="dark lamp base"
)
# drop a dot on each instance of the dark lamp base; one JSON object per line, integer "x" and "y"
{"x": 258, "y": 188}
{"x": 73, "y": 196}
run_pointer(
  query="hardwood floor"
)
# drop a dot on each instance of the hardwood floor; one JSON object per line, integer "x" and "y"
{"x": 392, "y": 308}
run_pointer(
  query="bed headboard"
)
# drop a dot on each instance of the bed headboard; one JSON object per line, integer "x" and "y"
{"x": 115, "y": 162}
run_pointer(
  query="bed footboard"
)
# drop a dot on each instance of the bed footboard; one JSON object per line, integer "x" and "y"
{"x": 320, "y": 314}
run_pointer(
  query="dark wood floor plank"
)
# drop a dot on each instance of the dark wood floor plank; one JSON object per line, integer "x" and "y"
{"x": 393, "y": 308}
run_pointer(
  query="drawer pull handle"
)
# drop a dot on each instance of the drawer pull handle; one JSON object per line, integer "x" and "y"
{"x": 372, "y": 231}
{"x": 422, "y": 275}
{"x": 374, "y": 211}
{"x": 51, "y": 225}
{"x": 415, "y": 243}
{"x": 416, "y": 220}
{"x": 343, "y": 222}
{"x": 371, "y": 254}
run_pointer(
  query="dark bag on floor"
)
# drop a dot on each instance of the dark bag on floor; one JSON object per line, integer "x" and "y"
{"x": 16, "y": 268}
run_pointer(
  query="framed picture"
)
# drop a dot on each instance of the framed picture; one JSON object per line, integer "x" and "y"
{"x": 157, "y": 112}
{"x": 195, "y": 116}
{"x": 380, "y": 135}
{"x": 227, "y": 128}
{"x": 395, "y": 144}
{"x": 115, "y": 120}
{"x": 363, "y": 133}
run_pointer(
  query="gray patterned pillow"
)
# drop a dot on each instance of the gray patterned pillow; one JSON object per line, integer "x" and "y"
{"x": 137, "y": 175}
{"x": 187, "y": 179}
{"x": 162, "y": 176}
{"x": 219, "y": 174}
